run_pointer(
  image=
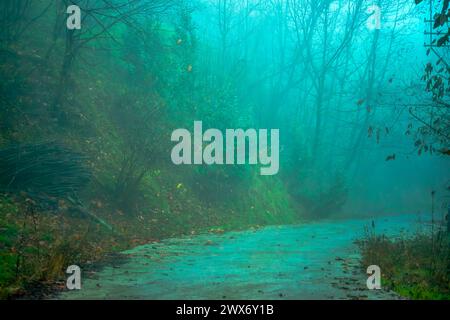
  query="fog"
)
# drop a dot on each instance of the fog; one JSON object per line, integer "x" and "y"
{"x": 339, "y": 89}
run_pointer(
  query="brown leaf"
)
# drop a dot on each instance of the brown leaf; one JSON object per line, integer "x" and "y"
{"x": 391, "y": 158}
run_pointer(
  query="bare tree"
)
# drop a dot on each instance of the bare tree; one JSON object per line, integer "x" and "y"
{"x": 98, "y": 21}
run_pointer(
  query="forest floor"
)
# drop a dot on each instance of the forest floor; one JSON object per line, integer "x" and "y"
{"x": 313, "y": 261}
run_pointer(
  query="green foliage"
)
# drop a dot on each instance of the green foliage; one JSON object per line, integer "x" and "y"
{"x": 8, "y": 232}
{"x": 415, "y": 267}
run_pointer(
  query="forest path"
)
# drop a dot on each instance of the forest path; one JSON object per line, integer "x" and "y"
{"x": 311, "y": 261}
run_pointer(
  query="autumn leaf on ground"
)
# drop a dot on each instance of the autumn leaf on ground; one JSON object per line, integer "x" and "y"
{"x": 391, "y": 158}
{"x": 370, "y": 132}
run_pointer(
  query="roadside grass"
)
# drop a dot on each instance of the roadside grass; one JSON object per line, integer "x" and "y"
{"x": 36, "y": 245}
{"x": 416, "y": 266}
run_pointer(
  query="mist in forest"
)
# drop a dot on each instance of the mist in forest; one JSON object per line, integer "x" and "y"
{"x": 126, "y": 122}
{"x": 339, "y": 84}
